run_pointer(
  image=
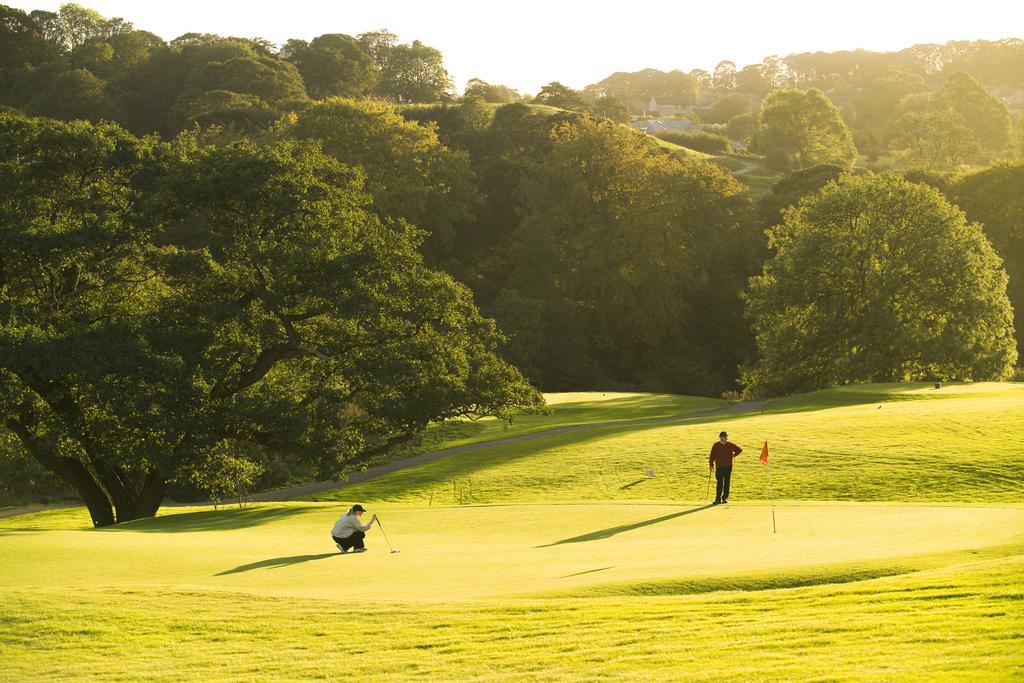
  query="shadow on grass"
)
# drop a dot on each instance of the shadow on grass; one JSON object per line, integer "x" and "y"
{"x": 616, "y": 530}
{"x": 626, "y": 487}
{"x": 849, "y": 395}
{"x": 589, "y": 571}
{"x": 209, "y": 520}
{"x": 275, "y": 562}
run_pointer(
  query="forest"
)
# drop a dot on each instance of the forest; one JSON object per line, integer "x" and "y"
{"x": 215, "y": 250}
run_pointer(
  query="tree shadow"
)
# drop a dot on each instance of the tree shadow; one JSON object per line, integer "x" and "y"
{"x": 848, "y": 395}
{"x": 209, "y": 520}
{"x": 615, "y": 530}
{"x": 275, "y": 562}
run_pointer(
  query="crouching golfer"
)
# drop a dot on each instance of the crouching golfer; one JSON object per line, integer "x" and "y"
{"x": 722, "y": 453}
{"x": 348, "y": 533}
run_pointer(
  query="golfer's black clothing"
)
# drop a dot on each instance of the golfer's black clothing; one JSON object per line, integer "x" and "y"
{"x": 353, "y": 541}
{"x": 722, "y": 475}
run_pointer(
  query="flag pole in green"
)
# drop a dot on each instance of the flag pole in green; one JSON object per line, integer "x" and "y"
{"x": 771, "y": 491}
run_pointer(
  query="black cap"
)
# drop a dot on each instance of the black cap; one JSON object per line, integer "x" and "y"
{"x": 722, "y": 434}
{"x": 358, "y": 508}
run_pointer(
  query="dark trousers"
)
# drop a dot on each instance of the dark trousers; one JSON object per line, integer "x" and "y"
{"x": 722, "y": 476}
{"x": 353, "y": 541}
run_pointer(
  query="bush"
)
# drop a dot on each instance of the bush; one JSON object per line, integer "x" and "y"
{"x": 741, "y": 127}
{"x": 708, "y": 143}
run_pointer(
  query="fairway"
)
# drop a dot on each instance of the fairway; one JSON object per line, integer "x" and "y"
{"x": 899, "y": 551}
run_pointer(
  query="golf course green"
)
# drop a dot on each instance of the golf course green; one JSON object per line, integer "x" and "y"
{"x": 899, "y": 554}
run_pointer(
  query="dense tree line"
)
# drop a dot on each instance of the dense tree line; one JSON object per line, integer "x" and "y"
{"x": 610, "y": 262}
{"x": 297, "y": 258}
{"x": 75, "y": 63}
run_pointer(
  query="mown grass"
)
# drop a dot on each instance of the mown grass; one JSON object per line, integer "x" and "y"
{"x": 960, "y": 623}
{"x": 872, "y": 443}
{"x": 611, "y": 589}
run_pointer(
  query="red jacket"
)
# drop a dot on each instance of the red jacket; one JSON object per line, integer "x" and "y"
{"x": 723, "y": 453}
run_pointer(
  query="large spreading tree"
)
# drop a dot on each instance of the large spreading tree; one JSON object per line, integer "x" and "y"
{"x": 160, "y": 304}
{"x": 878, "y": 279}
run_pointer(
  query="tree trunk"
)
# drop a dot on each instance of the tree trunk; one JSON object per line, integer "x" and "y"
{"x": 131, "y": 501}
{"x": 116, "y": 486}
{"x": 148, "y": 500}
{"x": 70, "y": 470}
{"x": 103, "y": 493}
{"x": 100, "y": 509}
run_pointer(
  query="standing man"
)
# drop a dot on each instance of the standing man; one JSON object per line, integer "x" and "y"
{"x": 722, "y": 453}
{"x": 348, "y": 533}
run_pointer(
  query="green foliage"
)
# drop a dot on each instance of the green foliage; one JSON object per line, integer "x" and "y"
{"x": 792, "y": 188}
{"x": 49, "y": 90}
{"x": 726, "y": 108}
{"x": 611, "y": 107}
{"x": 408, "y": 73}
{"x": 264, "y": 79}
{"x": 742, "y": 127}
{"x": 409, "y": 173}
{"x": 232, "y": 111}
{"x": 994, "y": 197}
{"x": 163, "y": 300}
{"x": 637, "y": 88}
{"x": 554, "y": 94}
{"x": 985, "y": 115}
{"x": 223, "y": 474}
{"x": 877, "y": 102}
{"x": 935, "y": 140}
{"x": 799, "y": 129}
{"x": 500, "y": 94}
{"x": 709, "y": 143}
{"x": 23, "y": 39}
{"x": 878, "y": 279}
{"x": 332, "y": 65}
{"x": 610, "y": 226}
{"x": 23, "y": 480}
{"x": 959, "y": 124}
{"x": 1019, "y": 130}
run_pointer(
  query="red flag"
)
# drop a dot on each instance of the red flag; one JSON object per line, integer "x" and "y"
{"x": 764, "y": 454}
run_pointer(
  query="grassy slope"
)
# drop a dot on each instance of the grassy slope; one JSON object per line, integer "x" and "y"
{"x": 564, "y": 409}
{"x": 608, "y": 589}
{"x": 879, "y": 443}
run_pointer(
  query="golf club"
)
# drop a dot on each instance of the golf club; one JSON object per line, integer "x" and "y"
{"x": 379, "y": 526}
{"x": 707, "y": 493}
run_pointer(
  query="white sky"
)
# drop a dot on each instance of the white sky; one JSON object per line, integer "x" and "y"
{"x": 527, "y": 43}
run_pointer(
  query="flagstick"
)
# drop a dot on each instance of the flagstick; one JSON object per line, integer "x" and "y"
{"x": 771, "y": 494}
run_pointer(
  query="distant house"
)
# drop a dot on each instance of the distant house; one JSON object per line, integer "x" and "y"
{"x": 653, "y": 126}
